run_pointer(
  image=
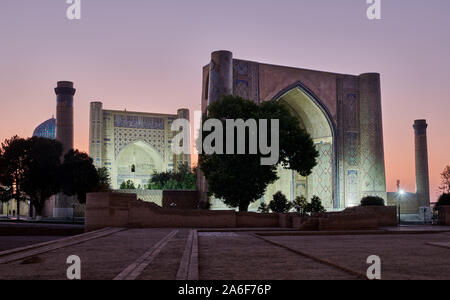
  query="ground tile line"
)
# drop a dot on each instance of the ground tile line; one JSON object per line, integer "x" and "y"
{"x": 320, "y": 260}
{"x": 193, "y": 261}
{"x": 440, "y": 245}
{"x": 36, "y": 251}
{"x": 136, "y": 268}
{"x": 183, "y": 269}
{"x": 15, "y": 250}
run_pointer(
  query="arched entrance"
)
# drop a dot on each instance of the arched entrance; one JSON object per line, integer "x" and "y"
{"x": 137, "y": 162}
{"x": 315, "y": 118}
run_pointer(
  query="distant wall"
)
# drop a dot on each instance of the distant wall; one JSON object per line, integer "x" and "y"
{"x": 409, "y": 204}
{"x": 146, "y": 195}
{"x": 180, "y": 199}
{"x": 444, "y": 215}
{"x": 385, "y": 215}
{"x": 125, "y": 210}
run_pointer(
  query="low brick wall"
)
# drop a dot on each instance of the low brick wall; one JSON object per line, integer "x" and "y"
{"x": 255, "y": 220}
{"x": 385, "y": 215}
{"x": 125, "y": 210}
{"x": 444, "y": 216}
{"x": 348, "y": 221}
{"x": 180, "y": 199}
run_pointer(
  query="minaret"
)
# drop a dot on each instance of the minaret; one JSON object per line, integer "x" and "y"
{"x": 64, "y": 114}
{"x": 422, "y": 173}
{"x": 63, "y": 206}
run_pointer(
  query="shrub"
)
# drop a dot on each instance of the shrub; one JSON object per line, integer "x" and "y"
{"x": 315, "y": 206}
{"x": 127, "y": 185}
{"x": 300, "y": 204}
{"x": 280, "y": 204}
{"x": 444, "y": 200}
{"x": 263, "y": 208}
{"x": 372, "y": 201}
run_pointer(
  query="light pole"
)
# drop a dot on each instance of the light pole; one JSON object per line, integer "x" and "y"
{"x": 399, "y": 200}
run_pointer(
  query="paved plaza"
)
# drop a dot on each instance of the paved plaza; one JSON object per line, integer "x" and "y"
{"x": 170, "y": 254}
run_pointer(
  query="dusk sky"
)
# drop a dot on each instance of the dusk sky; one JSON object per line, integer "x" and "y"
{"x": 147, "y": 55}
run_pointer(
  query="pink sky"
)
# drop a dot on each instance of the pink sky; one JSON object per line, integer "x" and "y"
{"x": 148, "y": 56}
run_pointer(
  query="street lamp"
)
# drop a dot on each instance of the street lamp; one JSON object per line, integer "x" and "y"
{"x": 399, "y": 198}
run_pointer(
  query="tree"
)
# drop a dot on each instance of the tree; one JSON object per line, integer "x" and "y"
{"x": 315, "y": 206}
{"x": 280, "y": 203}
{"x": 78, "y": 175}
{"x": 300, "y": 204}
{"x": 263, "y": 208}
{"x": 104, "y": 183}
{"x": 41, "y": 176}
{"x": 5, "y": 194}
{"x": 445, "y": 181}
{"x": 372, "y": 201}
{"x": 127, "y": 185}
{"x": 241, "y": 179}
{"x": 183, "y": 179}
{"x": 13, "y": 156}
{"x": 444, "y": 200}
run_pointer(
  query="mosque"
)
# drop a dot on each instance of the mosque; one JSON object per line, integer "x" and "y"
{"x": 343, "y": 115}
{"x": 341, "y": 112}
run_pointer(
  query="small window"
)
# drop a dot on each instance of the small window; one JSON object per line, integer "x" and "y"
{"x": 133, "y": 169}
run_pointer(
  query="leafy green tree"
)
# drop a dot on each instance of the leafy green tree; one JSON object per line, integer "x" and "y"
{"x": 280, "y": 203}
{"x": 13, "y": 156}
{"x": 78, "y": 175}
{"x": 127, "y": 185}
{"x": 5, "y": 194}
{"x": 372, "y": 201}
{"x": 241, "y": 179}
{"x": 104, "y": 183}
{"x": 445, "y": 181}
{"x": 300, "y": 204}
{"x": 183, "y": 179}
{"x": 444, "y": 200}
{"x": 315, "y": 206}
{"x": 41, "y": 177}
{"x": 263, "y": 208}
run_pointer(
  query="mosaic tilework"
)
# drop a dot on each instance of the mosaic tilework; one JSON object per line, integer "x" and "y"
{"x": 246, "y": 80}
{"x": 241, "y": 89}
{"x": 125, "y": 136}
{"x": 352, "y": 149}
{"x": 127, "y": 121}
{"x": 322, "y": 175}
{"x": 352, "y": 188}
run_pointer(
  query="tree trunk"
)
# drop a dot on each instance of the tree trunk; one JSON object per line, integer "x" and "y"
{"x": 243, "y": 206}
{"x": 18, "y": 209}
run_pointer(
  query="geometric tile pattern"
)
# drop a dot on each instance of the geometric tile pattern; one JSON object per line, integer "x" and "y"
{"x": 322, "y": 175}
{"x": 125, "y": 136}
{"x": 246, "y": 80}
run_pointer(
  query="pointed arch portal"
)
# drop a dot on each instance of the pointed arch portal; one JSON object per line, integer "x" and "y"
{"x": 315, "y": 118}
{"x": 137, "y": 162}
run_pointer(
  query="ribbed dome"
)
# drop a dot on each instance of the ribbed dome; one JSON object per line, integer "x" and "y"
{"x": 46, "y": 129}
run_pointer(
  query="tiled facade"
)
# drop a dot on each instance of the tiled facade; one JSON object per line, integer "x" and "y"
{"x": 132, "y": 145}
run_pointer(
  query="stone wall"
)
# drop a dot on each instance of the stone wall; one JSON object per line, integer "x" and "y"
{"x": 385, "y": 215}
{"x": 180, "y": 199}
{"x": 444, "y": 215}
{"x": 124, "y": 210}
{"x": 409, "y": 203}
